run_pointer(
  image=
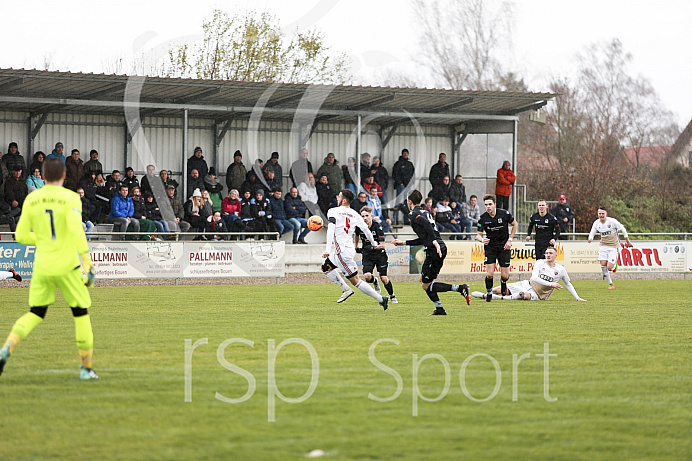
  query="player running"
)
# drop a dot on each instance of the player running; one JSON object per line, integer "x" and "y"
{"x": 497, "y": 242}
{"x": 544, "y": 278}
{"x": 423, "y": 225}
{"x": 547, "y": 229}
{"x": 374, "y": 256}
{"x": 342, "y": 222}
{"x": 52, "y": 220}
{"x": 610, "y": 242}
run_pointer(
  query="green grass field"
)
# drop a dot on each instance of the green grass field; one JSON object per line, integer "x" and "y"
{"x": 622, "y": 376}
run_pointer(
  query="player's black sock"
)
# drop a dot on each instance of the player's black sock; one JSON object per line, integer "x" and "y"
{"x": 503, "y": 285}
{"x": 489, "y": 283}
{"x": 440, "y": 287}
{"x": 432, "y": 295}
{"x": 388, "y": 286}
{"x": 370, "y": 280}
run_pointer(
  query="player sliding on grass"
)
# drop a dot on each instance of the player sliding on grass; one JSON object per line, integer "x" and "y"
{"x": 423, "y": 225}
{"x": 342, "y": 222}
{"x": 544, "y": 278}
{"x": 374, "y": 257}
{"x": 10, "y": 274}
{"x": 52, "y": 220}
{"x": 610, "y": 243}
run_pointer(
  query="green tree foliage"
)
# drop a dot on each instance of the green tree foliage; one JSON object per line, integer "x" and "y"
{"x": 254, "y": 48}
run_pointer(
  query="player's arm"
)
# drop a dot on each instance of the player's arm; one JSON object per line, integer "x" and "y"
{"x": 570, "y": 287}
{"x": 515, "y": 226}
{"x": 23, "y": 233}
{"x": 331, "y": 227}
{"x": 356, "y": 239}
{"x": 360, "y": 223}
{"x": 380, "y": 238}
{"x": 413, "y": 242}
{"x": 592, "y": 234}
{"x": 624, "y": 233}
{"x": 529, "y": 230}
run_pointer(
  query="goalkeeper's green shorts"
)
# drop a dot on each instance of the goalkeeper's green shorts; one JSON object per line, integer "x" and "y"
{"x": 42, "y": 289}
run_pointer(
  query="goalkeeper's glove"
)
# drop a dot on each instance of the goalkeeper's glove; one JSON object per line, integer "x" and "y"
{"x": 90, "y": 275}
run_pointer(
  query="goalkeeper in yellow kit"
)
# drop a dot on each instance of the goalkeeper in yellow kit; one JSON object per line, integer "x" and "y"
{"x": 52, "y": 220}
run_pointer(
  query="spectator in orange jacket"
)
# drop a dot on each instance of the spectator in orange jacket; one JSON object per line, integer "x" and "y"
{"x": 503, "y": 185}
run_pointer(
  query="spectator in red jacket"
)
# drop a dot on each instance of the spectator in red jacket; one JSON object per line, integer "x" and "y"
{"x": 503, "y": 185}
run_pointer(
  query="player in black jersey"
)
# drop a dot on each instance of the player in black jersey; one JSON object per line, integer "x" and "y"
{"x": 498, "y": 241}
{"x": 374, "y": 257}
{"x": 547, "y": 229}
{"x": 423, "y": 225}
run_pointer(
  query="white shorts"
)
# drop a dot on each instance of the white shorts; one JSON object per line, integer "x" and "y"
{"x": 607, "y": 253}
{"x": 343, "y": 261}
{"x": 522, "y": 287}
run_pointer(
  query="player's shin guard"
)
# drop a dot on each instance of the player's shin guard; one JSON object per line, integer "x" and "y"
{"x": 23, "y": 327}
{"x": 388, "y": 286}
{"x": 503, "y": 286}
{"x": 368, "y": 290}
{"x": 84, "y": 335}
{"x": 335, "y": 277}
{"x": 606, "y": 274}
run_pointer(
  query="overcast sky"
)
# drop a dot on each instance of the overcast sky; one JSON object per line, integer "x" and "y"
{"x": 89, "y": 36}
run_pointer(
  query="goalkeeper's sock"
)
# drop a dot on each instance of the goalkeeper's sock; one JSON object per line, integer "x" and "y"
{"x": 85, "y": 338}
{"x": 606, "y": 274}
{"x": 335, "y": 277}
{"x": 22, "y": 328}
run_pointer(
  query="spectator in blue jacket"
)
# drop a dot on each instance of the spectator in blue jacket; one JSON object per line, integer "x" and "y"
{"x": 34, "y": 181}
{"x": 295, "y": 213}
{"x": 57, "y": 152}
{"x": 122, "y": 210}
{"x": 279, "y": 212}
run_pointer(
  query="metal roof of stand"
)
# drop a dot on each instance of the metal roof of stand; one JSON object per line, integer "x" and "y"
{"x": 40, "y": 92}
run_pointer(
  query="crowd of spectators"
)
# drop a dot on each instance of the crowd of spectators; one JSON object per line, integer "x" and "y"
{"x": 251, "y": 199}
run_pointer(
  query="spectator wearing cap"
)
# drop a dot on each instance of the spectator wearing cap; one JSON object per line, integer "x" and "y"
{"x": 57, "y": 152}
{"x": 93, "y": 163}
{"x": 131, "y": 180}
{"x": 273, "y": 164}
{"x": 197, "y": 162}
{"x": 13, "y": 158}
{"x": 15, "y": 192}
{"x": 251, "y": 183}
{"x": 215, "y": 188}
{"x": 349, "y": 173}
{"x": 236, "y": 172}
{"x": 564, "y": 214}
{"x": 178, "y": 224}
{"x": 331, "y": 168}
{"x": 381, "y": 177}
{"x": 154, "y": 213}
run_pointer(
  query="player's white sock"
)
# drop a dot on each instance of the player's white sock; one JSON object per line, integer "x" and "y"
{"x": 335, "y": 277}
{"x": 368, "y": 290}
{"x": 606, "y": 273}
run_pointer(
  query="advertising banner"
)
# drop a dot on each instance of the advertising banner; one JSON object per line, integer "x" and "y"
{"x": 121, "y": 260}
{"x": 577, "y": 257}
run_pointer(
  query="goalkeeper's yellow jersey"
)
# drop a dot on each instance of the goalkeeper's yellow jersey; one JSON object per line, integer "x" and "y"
{"x": 52, "y": 220}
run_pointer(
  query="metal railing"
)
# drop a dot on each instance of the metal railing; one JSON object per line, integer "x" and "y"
{"x": 170, "y": 236}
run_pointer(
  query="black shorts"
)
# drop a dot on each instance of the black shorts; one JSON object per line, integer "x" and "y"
{"x": 377, "y": 260}
{"x": 433, "y": 264}
{"x": 498, "y": 254}
{"x": 540, "y": 250}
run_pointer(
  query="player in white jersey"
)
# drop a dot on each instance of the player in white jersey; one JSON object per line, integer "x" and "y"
{"x": 341, "y": 225}
{"x": 544, "y": 279}
{"x": 608, "y": 228}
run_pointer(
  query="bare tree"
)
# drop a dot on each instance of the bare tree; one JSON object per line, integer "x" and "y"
{"x": 462, "y": 41}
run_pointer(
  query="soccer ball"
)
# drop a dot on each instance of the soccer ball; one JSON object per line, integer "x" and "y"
{"x": 315, "y": 223}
